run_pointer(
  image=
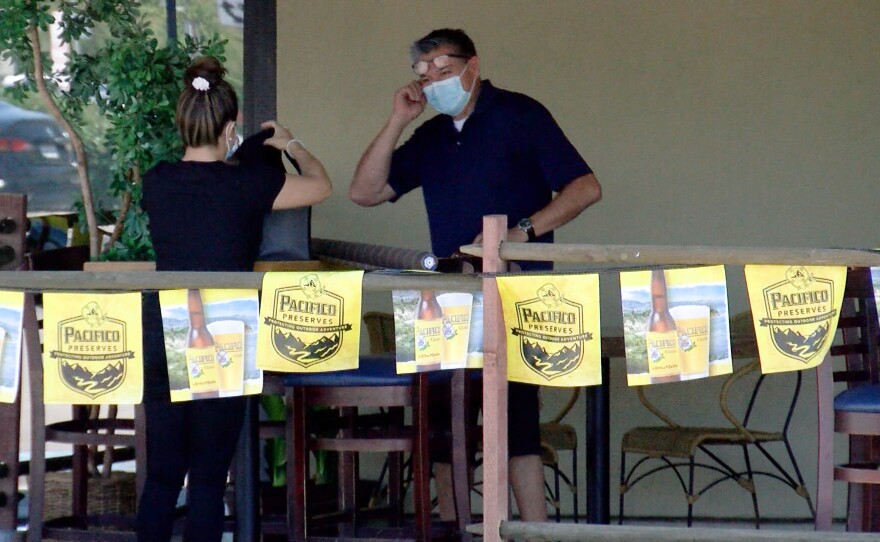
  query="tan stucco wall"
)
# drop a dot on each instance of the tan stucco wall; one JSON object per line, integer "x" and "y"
{"x": 708, "y": 123}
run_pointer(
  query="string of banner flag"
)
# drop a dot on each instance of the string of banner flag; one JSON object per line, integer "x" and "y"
{"x": 676, "y": 327}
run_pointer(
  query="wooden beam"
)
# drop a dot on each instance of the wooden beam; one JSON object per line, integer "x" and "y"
{"x": 66, "y": 281}
{"x": 586, "y": 533}
{"x": 648, "y": 255}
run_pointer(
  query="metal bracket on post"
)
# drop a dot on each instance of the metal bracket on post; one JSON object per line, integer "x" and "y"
{"x": 13, "y": 228}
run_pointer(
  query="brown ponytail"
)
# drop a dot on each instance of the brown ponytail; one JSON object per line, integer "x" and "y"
{"x": 206, "y": 104}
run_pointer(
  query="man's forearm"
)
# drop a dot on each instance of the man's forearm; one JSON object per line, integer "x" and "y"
{"x": 569, "y": 203}
{"x": 370, "y": 184}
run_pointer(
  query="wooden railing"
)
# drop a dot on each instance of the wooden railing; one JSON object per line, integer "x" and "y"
{"x": 496, "y": 251}
{"x": 72, "y": 281}
{"x": 129, "y": 281}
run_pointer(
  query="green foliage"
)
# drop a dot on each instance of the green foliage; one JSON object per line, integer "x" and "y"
{"x": 135, "y": 83}
{"x": 125, "y": 82}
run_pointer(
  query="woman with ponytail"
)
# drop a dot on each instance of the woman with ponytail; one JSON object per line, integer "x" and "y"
{"x": 206, "y": 214}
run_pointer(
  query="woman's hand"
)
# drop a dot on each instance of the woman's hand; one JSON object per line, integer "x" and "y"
{"x": 281, "y": 136}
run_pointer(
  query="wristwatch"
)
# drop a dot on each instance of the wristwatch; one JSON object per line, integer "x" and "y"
{"x": 526, "y": 226}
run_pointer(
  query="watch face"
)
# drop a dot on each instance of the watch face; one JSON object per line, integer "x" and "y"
{"x": 526, "y": 226}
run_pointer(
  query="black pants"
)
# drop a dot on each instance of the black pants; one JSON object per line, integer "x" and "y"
{"x": 196, "y": 438}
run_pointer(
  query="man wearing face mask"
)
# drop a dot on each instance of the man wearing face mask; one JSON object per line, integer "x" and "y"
{"x": 490, "y": 151}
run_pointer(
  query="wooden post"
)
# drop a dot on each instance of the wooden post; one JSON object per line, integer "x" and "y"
{"x": 495, "y": 492}
{"x": 825, "y": 451}
{"x": 12, "y": 243}
{"x": 32, "y": 360}
{"x": 10, "y": 421}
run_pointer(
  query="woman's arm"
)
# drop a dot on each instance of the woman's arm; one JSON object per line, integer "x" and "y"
{"x": 310, "y": 188}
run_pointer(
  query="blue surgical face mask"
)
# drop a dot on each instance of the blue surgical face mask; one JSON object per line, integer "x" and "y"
{"x": 448, "y": 96}
{"x": 231, "y": 148}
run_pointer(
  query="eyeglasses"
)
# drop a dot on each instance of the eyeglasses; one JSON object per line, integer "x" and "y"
{"x": 423, "y": 66}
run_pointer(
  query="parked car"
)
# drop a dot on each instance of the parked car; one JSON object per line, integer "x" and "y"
{"x": 36, "y": 159}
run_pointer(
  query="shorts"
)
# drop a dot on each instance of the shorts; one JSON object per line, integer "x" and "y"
{"x": 523, "y": 420}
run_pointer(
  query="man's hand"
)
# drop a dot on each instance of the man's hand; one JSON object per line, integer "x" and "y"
{"x": 409, "y": 102}
{"x": 514, "y": 235}
{"x": 370, "y": 183}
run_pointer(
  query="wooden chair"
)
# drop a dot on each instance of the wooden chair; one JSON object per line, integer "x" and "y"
{"x": 374, "y": 384}
{"x": 380, "y": 329}
{"x": 86, "y": 428}
{"x": 559, "y": 437}
{"x": 678, "y": 447}
{"x": 855, "y": 411}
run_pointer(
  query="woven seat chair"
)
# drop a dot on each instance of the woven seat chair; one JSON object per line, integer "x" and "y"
{"x": 677, "y": 447}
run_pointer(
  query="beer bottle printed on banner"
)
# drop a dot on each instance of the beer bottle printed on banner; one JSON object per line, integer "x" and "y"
{"x": 201, "y": 360}
{"x": 664, "y": 356}
{"x": 428, "y": 333}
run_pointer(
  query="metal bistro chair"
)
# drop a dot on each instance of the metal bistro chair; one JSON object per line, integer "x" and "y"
{"x": 855, "y": 411}
{"x": 560, "y": 437}
{"x": 678, "y": 447}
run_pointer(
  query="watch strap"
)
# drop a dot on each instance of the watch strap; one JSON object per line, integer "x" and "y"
{"x": 526, "y": 226}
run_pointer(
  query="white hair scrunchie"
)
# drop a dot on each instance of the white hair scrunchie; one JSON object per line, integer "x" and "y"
{"x": 202, "y": 84}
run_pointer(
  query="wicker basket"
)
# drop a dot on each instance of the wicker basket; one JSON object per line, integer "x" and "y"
{"x": 115, "y": 495}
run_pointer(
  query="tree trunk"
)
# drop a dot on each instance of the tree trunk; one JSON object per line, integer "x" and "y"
{"x": 82, "y": 167}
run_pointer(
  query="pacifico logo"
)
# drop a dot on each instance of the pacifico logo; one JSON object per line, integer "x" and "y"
{"x": 307, "y": 322}
{"x": 799, "y": 310}
{"x": 92, "y": 352}
{"x": 550, "y": 330}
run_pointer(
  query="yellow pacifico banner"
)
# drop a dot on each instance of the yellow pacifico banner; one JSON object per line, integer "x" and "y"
{"x": 211, "y": 343}
{"x": 795, "y": 310}
{"x": 92, "y": 349}
{"x": 310, "y": 321}
{"x": 11, "y": 310}
{"x": 552, "y": 324}
{"x": 436, "y": 330}
{"x": 676, "y": 324}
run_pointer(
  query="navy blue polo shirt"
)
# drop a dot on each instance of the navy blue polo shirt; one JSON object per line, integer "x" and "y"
{"x": 508, "y": 159}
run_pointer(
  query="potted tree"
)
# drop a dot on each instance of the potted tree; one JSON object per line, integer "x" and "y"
{"x": 125, "y": 80}
{"x": 129, "y": 78}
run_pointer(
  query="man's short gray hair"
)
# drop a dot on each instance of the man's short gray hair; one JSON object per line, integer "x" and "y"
{"x": 443, "y": 36}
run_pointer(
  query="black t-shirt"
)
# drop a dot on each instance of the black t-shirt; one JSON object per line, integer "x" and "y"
{"x": 208, "y": 216}
{"x": 204, "y": 216}
{"x": 509, "y": 158}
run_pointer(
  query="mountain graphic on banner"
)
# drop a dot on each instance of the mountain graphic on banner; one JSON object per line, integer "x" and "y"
{"x": 294, "y": 347}
{"x": 92, "y": 384}
{"x": 560, "y": 361}
{"x": 323, "y": 347}
{"x": 797, "y": 345}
